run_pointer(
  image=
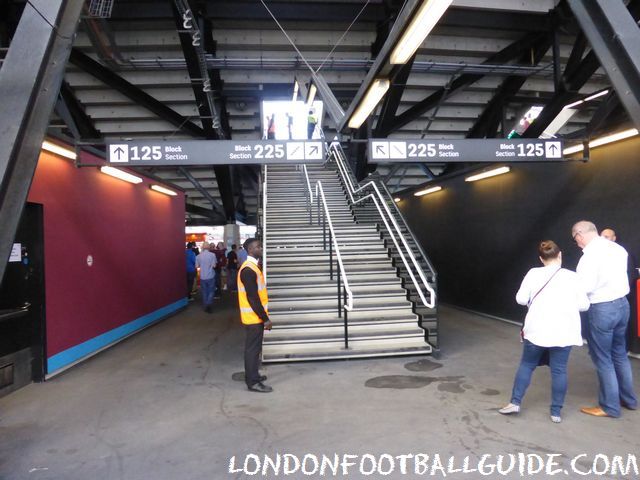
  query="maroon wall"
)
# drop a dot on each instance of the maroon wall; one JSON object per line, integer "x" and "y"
{"x": 134, "y": 234}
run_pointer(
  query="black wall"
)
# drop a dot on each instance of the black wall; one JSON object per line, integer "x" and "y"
{"x": 482, "y": 236}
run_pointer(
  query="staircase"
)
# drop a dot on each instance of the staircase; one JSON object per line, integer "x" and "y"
{"x": 302, "y": 296}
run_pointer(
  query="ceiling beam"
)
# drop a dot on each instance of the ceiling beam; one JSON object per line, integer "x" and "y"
{"x": 514, "y": 50}
{"x": 82, "y": 122}
{"x": 134, "y": 93}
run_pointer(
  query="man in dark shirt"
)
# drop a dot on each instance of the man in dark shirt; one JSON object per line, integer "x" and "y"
{"x": 253, "y": 301}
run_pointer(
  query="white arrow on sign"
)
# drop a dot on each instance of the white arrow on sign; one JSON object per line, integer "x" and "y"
{"x": 313, "y": 150}
{"x": 553, "y": 150}
{"x": 119, "y": 153}
{"x": 380, "y": 149}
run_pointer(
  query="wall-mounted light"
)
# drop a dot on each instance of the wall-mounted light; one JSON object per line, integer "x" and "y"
{"x": 312, "y": 94}
{"x": 375, "y": 93}
{"x": 59, "y": 150}
{"x": 423, "y": 22}
{"x": 397, "y": 199}
{"x": 489, "y": 173}
{"x": 120, "y": 174}
{"x": 614, "y": 137}
{"x": 427, "y": 191}
{"x": 161, "y": 189}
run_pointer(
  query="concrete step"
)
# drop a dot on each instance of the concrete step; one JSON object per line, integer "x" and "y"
{"x": 312, "y": 278}
{"x": 329, "y": 302}
{"x": 312, "y": 291}
{"x": 360, "y": 331}
{"x": 335, "y": 350}
{"x": 330, "y": 317}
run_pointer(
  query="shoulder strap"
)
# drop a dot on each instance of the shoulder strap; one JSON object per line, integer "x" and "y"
{"x": 546, "y": 283}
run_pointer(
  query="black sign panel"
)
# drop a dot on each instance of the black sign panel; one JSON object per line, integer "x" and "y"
{"x": 468, "y": 150}
{"x": 215, "y": 152}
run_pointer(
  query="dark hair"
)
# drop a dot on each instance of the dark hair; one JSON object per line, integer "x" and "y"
{"x": 548, "y": 249}
{"x": 191, "y": 244}
{"x": 234, "y": 246}
{"x": 248, "y": 242}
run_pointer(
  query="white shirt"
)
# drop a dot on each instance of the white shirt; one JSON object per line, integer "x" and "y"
{"x": 206, "y": 261}
{"x": 553, "y": 319}
{"x": 603, "y": 270}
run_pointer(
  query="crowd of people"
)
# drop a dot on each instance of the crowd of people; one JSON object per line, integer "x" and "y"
{"x": 556, "y": 298}
{"x": 218, "y": 267}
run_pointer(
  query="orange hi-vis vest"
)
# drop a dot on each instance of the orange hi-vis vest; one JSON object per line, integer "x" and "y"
{"x": 247, "y": 315}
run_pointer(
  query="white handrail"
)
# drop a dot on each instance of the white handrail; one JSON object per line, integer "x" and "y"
{"x": 264, "y": 224}
{"x": 351, "y": 191}
{"x": 349, "y": 305}
{"x": 306, "y": 174}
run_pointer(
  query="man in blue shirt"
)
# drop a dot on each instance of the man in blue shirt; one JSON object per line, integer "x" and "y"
{"x": 191, "y": 268}
{"x": 206, "y": 262}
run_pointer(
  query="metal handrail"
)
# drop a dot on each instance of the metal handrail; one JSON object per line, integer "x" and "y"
{"x": 351, "y": 190}
{"x": 264, "y": 224}
{"x": 309, "y": 193}
{"x": 404, "y": 222}
{"x": 341, "y": 273}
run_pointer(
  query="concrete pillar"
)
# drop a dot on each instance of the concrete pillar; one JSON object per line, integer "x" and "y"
{"x": 231, "y": 234}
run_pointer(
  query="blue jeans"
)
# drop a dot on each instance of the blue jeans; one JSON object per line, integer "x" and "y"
{"x": 558, "y": 358}
{"x": 207, "y": 288}
{"x": 606, "y": 335}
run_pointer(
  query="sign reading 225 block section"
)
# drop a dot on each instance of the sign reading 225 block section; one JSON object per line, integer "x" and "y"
{"x": 215, "y": 152}
{"x": 467, "y": 150}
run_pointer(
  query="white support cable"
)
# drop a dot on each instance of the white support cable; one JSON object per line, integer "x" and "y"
{"x": 351, "y": 191}
{"x": 349, "y": 305}
{"x": 264, "y": 225}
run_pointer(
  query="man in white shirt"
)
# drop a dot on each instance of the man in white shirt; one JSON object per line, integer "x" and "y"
{"x": 206, "y": 262}
{"x": 603, "y": 273}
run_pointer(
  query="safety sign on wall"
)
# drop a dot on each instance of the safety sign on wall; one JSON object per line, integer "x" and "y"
{"x": 215, "y": 152}
{"x": 466, "y": 150}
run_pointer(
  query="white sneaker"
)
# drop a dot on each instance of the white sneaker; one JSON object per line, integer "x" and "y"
{"x": 555, "y": 419}
{"x": 509, "y": 409}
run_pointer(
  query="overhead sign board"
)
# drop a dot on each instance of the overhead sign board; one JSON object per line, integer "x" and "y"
{"x": 467, "y": 150}
{"x": 215, "y": 152}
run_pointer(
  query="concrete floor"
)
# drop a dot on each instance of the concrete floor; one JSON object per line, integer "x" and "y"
{"x": 163, "y": 405}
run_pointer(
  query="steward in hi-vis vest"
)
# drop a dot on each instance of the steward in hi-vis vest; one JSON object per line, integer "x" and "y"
{"x": 254, "y": 314}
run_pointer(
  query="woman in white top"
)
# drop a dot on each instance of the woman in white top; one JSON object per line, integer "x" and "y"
{"x": 552, "y": 325}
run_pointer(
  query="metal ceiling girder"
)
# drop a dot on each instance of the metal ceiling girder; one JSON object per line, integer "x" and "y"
{"x": 38, "y": 53}
{"x": 216, "y": 206}
{"x": 392, "y": 99}
{"x": 83, "y": 122}
{"x": 506, "y": 54}
{"x": 201, "y": 211}
{"x": 614, "y": 36}
{"x": 488, "y": 123}
{"x": 134, "y": 93}
{"x": 381, "y": 67}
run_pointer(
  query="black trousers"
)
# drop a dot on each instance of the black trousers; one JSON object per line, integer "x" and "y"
{"x": 252, "y": 351}
{"x": 191, "y": 276}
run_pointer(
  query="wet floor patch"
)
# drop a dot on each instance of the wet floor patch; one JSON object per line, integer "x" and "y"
{"x": 423, "y": 365}
{"x": 490, "y": 392}
{"x": 238, "y": 377}
{"x": 400, "y": 382}
{"x": 451, "y": 387}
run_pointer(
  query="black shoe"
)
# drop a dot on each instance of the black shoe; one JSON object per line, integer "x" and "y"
{"x": 263, "y": 378}
{"x": 260, "y": 387}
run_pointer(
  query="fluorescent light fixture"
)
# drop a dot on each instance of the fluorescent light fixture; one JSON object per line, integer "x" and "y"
{"x": 296, "y": 87}
{"x": 488, "y": 173}
{"x": 397, "y": 199}
{"x": 375, "y": 93}
{"x": 312, "y": 94}
{"x": 427, "y": 191}
{"x": 424, "y": 20}
{"x": 161, "y": 189}
{"x": 596, "y": 95}
{"x": 587, "y": 99}
{"x": 614, "y": 137}
{"x": 59, "y": 150}
{"x": 574, "y": 104}
{"x": 561, "y": 119}
{"x": 120, "y": 174}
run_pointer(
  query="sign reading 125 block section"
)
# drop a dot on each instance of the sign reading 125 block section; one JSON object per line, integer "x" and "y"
{"x": 215, "y": 152}
{"x": 467, "y": 150}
